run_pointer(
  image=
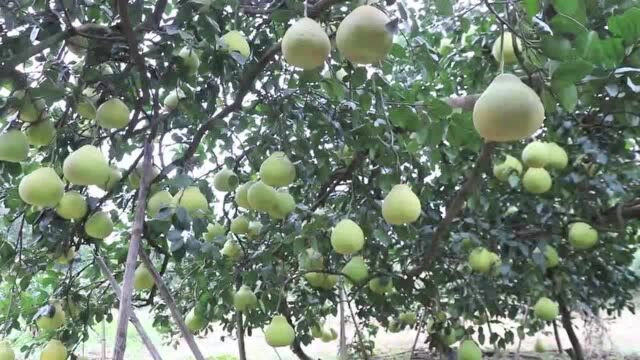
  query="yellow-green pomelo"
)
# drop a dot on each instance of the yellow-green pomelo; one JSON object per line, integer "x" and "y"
{"x": 401, "y": 206}
{"x": 6, "y": 352}
{"x": 261, "y": 196}
{"x": 362, "y": 36}
{"x": 469, "y": 350}
{"x": 32, "y": 110}
{"x": 241, "y": 195}
{"x": 41, "y": 133}
{"x": 86, "y": 106}
{"x": 13, "y": 146}
{"x": 72, "y": 206}
{"x": 114, "y": 177}
{"x": 506, "y": 46}
{"x": 546, "y": 309}
{"x": 66, "y": 257}
{"x": 536, "y": 154}
{"x": 347, "y": 237}
{"x": 283, "y": 206}
{"x": 54, "y": 350}
{"x": 305, "y": 44}
{"x": 194, "y": 322}
{"x": 42, "y": 187}
{"x": 551, "y": 257}
{"x": 277, "y": 170}
{"x": 508, "y": 110}
{"x": 408, "y": 318}
{"x": 213, "y": 231}
{"x": 54, "y": 319}
{"x": 328, "y": 335}
{"x": 536, "y": 180}
{"x": 582, "y": 236}
{"x": 192, "y": 200}
{"x": 316, "y": 331}
{"x": 190, "y": 60}
{"x": 510, "y": 165}
{"x": 321, "y": 280}
{"x": 157, "y": 201}
{"x": 113, "y": 114}
{"x": 86, "y": 166}
{"x": 481, "y": 260}
{"x": 239, "y": 225}
{"x": 142, "y": 278}
{"x": 356, "y": 270}
{"x": 381, "y": 285}
{"x": 558, "y": 158}
{"x": 136, "y": 175}
{"x": 279, "y": 332}
{"x": 539, "y": 346}
{"x": 235, "y": 41}
{"x": 225, "y": 180}
{"x": 231, "y": 249}
{"x": 173, "y": 98}
{"x": 99, "y": 225}
{"x": 244, "y": 299}
{"x": 254, "y": 229}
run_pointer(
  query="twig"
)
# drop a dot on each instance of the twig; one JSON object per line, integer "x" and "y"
{"x": 165, "y": 294}
{"x": 363, "y": 349}
{"x": 132, "y": 317}
{"x": 524, "y": 321}
{"x": 27, "y": 53}
{"x": 418, "y": 331}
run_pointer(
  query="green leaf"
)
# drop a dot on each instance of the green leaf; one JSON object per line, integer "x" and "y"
{"x": 567, "y": 7}
{"x": 607, "y": 52}
{"x": 404, "y": 117}
{"x": 532, "y": 7}
{"x": 444, "y": 7}
{"x": 626, "y": 25}
{"x": 567, "y": 94}
{"x": 282, "y": 15}
{"x": 572, "y": 71}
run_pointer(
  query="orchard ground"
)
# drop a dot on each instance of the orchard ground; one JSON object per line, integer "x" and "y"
{"x": 620, "y": 338}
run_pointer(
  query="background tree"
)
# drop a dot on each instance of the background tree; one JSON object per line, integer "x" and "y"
{"x": 201, "y": 100}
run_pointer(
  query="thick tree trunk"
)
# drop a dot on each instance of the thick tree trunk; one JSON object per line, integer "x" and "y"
{"x": 568, "y": 327}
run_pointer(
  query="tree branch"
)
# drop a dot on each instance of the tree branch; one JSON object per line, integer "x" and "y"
{"x": 26, "y": 54}
{"x": 454, "y": 208}
{"x": 133, "y": 318}
{"x": 171, "y": 304}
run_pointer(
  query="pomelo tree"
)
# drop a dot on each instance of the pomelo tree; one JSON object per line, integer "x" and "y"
{"x": 195, "y": 170}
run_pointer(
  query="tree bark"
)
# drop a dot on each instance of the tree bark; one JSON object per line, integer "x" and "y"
{"x": 165, "y": 294}
{"x": 557, "y": 336}
{"x": 568, "y": 327}
{"x": 133, "y": 318}
{"x": 132, "y": 256}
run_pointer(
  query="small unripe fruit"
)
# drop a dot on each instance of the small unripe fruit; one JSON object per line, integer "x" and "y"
{"x": 481, "y": 260}
{"x": 235, "y": 41}
{"x": 54, "y": 319}
{"x": 510, "y": 165}
{"x": 194, "y": 322}
{"x": 401, "y": 206}
{"x": 356, "y": 270}
{"x": 42, "y": 187}
{"x": 213, "y": 231}
{"x": 546, "y": 309}
{"x": 241, "y": 195}
{"x": 99, "y": 225}
{"x": 161, "y": 199}
{"x": 6, "y": 352}
{"x": 277, "y": 170}
{"x": 551, "y": 257}
{"x": 86, "y": 166}
{"x": 190, "y": 61}
{"x": 54, "y": 350}
{"x": 231, "y": 249}
{"x": 192, "y": 200}
{"x": 536, "y": 154}
{"x": 582, "y": 236}
{"x": 283, "y": 205}
{"x": 112, "y": 114}
{"x": 142, "y": 278}
{"x": 469, "y": 350}
{"x": 536, "y": 180}
{"x": 558, "y": 158}
{"x": 244, "y": 299}
{"x": 173, "y": 98}
{"x": 261, "y": 196}
{"x": 114, "y": 177}
{"x": 508, "y": 110}
{"x": 381, "y": 285}
{"x": 41, "y": 133}
{"x": 506, "y": 46}
{"x": 362, "y": 36}
{"x": 13, "y": 146}
{"x": 225, "y": 180}
{"x": 347, "y": 237}
{"x": 279, "y": 332}
{"x": 305, "y": 44}
{"x": 239, "y": 225}
{"x": 72, "y": 206}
